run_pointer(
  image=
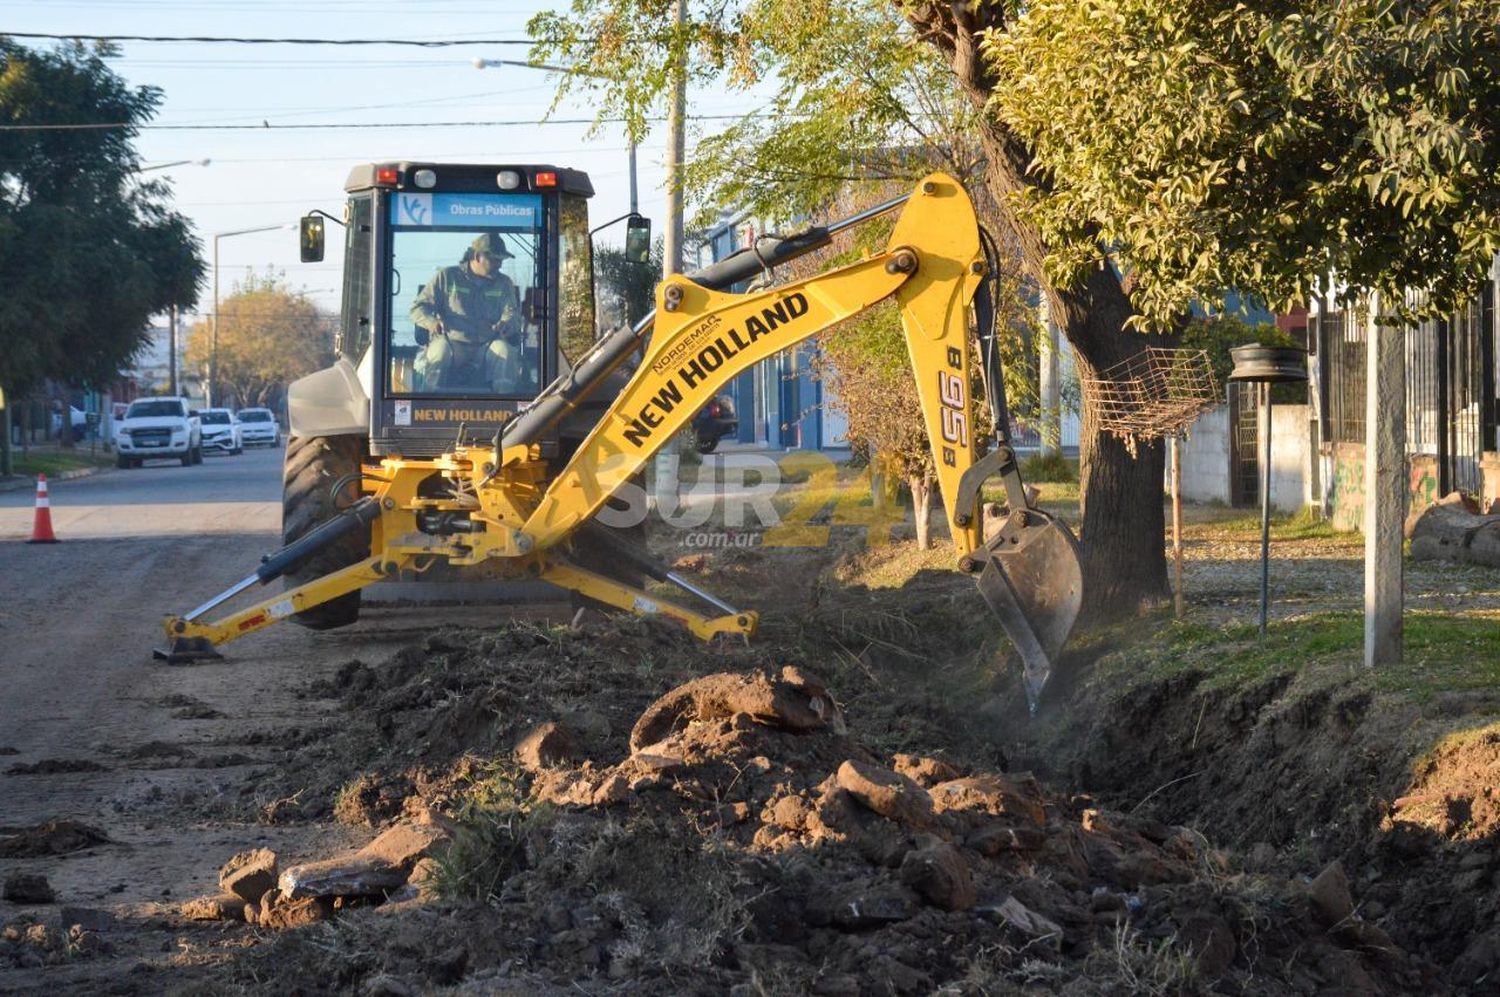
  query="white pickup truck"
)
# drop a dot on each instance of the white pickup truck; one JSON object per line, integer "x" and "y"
{"x": 158, "y": 427}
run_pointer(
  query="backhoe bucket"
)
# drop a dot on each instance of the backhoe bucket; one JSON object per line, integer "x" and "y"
{"x": 1032, "y": 579}
{"x": 186, "y": 650}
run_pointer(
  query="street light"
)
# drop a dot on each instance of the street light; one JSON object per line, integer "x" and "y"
{"x": 213, "y": 340}
{"x": 176, "y": 162}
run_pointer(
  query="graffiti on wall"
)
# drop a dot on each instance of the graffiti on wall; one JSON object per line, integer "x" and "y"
{"x": 1347, "y": 487}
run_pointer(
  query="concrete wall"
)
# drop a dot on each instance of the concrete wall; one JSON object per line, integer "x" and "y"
{"x": 1206, "y": 455}
{"x": 1205, "y": 458}
{"x": 1291, "y": 443}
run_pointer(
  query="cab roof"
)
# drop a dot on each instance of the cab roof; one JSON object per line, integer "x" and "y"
{"x": 468, "y": 177}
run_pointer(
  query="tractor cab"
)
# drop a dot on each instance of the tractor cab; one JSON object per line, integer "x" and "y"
{"x": 465, "y": 290}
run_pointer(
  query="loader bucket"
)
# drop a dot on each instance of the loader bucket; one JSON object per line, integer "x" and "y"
{"x": 1032, "y": 579}
{"x": 186, "y": 650}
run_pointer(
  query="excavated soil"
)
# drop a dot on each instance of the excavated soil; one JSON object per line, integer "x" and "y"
{"x": 857, "y": 803}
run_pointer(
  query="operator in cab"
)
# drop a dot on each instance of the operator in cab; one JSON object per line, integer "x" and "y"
{"x": 469, "y": 315}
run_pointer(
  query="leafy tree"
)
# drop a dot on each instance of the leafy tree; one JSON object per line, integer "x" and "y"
{"x": 626, "y": 289}
{"x": 1221, "y": 145}
{"x": 88, "y": 252}
{"x": 775, "y": 39}
{"x": 268, "y": 336}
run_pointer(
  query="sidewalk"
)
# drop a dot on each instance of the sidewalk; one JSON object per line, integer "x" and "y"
{"x": 15, "y": 481}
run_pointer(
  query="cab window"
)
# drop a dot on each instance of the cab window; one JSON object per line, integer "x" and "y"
{"x": 468, "y": 279}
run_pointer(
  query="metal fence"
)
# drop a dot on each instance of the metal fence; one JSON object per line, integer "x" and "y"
{"x": 1450, "y": 387}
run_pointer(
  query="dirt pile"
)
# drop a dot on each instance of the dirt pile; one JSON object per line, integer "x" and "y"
{"x": 741, "y": 839}
{"x": 1303, "y": 769}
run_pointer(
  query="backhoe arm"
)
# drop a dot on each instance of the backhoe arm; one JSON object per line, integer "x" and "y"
{"x": 704, "y": 338}
{"x": 933, "y": 266}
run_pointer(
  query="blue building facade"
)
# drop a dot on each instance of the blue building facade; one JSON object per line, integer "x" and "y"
{"x": 780, "y": 402}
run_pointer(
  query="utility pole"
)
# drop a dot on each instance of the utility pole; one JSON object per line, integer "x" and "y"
{"x": 1385, "y": 485}
{"x": 172, "y": 348}
{"x": 1051, "y": 383}
{"x": 676, "y": 144}
{"x": 635, "y": 207}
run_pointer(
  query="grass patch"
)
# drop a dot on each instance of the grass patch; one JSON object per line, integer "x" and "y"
{"x": 496, "y": 822}
{"x": 57, "y": 461}
{"x": 1305, "y": 524}
{"x": 1443, "y": 652}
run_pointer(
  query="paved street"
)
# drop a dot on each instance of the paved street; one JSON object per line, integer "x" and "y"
{"x": 222, "y": 495}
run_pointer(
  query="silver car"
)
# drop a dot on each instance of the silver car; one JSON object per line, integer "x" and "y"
{"x": 221, "y": 431}
{"x": 258, "y": 426}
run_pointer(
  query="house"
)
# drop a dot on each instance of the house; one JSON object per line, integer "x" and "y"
{"x": 1452, "y": 416}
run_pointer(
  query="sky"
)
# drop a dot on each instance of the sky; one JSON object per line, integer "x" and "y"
{"x": 363, "y": 103}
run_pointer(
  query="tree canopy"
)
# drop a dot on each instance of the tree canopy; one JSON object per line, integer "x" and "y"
{"x": 269, "y": 335}
{"x": 88, "y": 252}
{"x": 1220, "y": 145}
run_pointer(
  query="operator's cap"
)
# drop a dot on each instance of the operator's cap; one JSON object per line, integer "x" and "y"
{"x": 492, "y": 244}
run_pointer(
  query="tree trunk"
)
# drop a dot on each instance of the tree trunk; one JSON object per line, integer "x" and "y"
{"x": 1124, "y": 554}
{"x": 921, "y": 507}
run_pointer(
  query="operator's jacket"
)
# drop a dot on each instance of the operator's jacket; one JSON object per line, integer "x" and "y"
{"x": 468, "y": 306}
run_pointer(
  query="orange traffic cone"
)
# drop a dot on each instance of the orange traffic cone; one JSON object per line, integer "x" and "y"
{"x": 41, "y": 529}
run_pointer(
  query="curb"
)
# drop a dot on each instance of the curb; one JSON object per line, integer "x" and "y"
{"x": 18, "y": 481}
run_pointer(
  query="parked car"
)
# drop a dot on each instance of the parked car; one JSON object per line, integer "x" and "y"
{"x": 713, "y": 422}
{"x": 221, "y": 431}
{"x": 158, "y": 427}
{"x": 258, "y": 425}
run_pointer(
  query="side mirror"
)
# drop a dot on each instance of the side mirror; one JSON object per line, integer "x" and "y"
{"x": 312, "y": 239}
{"x": 638, "y": 239}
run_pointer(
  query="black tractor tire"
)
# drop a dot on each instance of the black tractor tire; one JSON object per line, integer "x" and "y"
{"x": 312, "y": 466}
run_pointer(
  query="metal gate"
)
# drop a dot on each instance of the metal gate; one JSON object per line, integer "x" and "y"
{"x": 1244, "y": 444}
{"x": 1450, "y": 387}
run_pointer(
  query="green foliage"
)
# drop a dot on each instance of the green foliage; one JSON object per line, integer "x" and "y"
{"x": 621, "y": 52}
{"x": 1224, "y": 145}
{"x": 859, "y": 101}
{"x": 1218, "y": 334}
{"x": 88, "y": 252}
{"x": 1053, "y": 467}
{"x": 268, "y": 336}
{"x": 496, "y": 824}
{"x": 626, "y": 289}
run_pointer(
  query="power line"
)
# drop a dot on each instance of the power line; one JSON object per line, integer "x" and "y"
{"x": 266, "y": 125}
{"x": 210, "y": 39}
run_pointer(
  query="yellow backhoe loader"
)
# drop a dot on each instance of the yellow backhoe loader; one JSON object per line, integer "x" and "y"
{"x": 521, "y": 496}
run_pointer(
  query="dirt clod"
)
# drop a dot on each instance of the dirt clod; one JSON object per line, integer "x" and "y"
{"x": 939, "y": 873}
{"x": 796, "y": 700}
{"x": 1330, "y": 896}
{"x": 377, "y": 870}
{"x": 249, "y": 875}
{"x": 28, "y": 888}
{"x": 887, "y": 793}
{"x": 281, "y": 912}
{"x": 544, "y": 746}
{"x": 55, "y": 837}
{"x": 223, "y": 907}
{"x": 926, "y": 772}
